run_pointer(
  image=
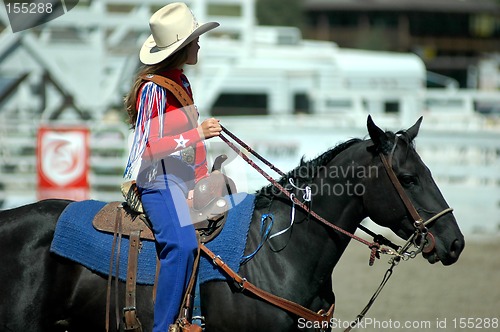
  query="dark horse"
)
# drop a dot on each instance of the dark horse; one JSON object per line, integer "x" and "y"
{"x": 42, "y": 292}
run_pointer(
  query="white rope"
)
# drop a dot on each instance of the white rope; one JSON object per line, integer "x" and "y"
{"x": 307, "y": 196}
{"x": 307, "y": 190}
{"x": 292, "y": 220}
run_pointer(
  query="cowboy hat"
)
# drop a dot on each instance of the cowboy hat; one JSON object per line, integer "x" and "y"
{"x": 172, "y": 27}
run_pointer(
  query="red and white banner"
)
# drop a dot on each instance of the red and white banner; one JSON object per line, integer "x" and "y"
{"x": 63, "y": 163}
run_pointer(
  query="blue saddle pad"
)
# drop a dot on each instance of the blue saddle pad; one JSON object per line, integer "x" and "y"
{"x": 230, "y": 243}
{"x": 75, "y": 238}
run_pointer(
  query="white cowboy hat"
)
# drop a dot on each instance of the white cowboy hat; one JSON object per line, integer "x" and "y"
{"x": 172, "y": 27}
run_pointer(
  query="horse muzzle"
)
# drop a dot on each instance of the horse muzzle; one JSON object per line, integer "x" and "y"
{"x": 447, "y": 257}
{"x": 429, "y": 249}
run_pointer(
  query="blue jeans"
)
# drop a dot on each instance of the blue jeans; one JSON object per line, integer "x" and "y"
{"x": 176, "y": 244}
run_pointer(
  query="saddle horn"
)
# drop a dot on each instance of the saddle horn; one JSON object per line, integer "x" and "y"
{"x": 217, "y": 166}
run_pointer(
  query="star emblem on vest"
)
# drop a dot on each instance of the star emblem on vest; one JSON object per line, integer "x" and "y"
{"x": 181, "y": 142}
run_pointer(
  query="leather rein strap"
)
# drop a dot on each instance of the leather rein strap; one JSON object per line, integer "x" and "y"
{"x": 131, "y": 321}
{"x": 130, "y": 318}
{"x": 371, "y": 245}
{"x": 117, "y": 234}
{"x": 402, "y": 194}
{"x": 282, "y": 303}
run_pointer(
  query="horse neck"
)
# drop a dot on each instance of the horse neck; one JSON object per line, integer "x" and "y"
{"x": 316, "y": 248}
{"x": 338, "y": 199}
{"x": 341, "y": 185}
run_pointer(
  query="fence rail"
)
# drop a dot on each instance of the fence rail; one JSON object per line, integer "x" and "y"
{"x": 465, "y": 163}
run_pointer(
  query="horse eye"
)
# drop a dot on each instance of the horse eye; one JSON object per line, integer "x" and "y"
{"x": 408, "y": 180}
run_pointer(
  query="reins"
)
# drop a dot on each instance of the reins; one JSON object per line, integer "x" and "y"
{"x": 417, "y": 239}
{"x": 374, "y": 246}
{"x": 419, "y": 224}
{"x": 243, "y": 284}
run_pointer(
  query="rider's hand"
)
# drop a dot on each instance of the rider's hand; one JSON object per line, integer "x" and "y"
{"x": 190, "y": 197}
{"x": 209, "y": 128}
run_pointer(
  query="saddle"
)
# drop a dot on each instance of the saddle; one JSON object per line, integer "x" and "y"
{"x": 208, "y": 210}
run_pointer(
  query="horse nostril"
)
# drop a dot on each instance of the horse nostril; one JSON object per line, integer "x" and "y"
{"x": 456, "y": 248}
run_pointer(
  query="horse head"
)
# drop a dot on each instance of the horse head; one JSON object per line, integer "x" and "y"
{"x": 386, "y": 207}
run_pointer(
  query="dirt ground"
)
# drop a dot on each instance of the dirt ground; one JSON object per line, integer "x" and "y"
{"x": 420, "y": 296}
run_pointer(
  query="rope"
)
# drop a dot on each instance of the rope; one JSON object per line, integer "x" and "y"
{"x": 264, "y": 234}
{"x": 378, "y": 240}
{"x": 252, "y": 151}
{"x": 292, "y": 220}
{"x": 307, "y": 197}
{"x": 362, "y": 314}
{"x": 440, "y": 214}
{"x": 282, "y": 189}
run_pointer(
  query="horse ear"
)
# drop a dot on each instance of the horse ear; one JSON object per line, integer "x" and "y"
{"x": 413, "y": 130}
{"x": 377, "y": 135}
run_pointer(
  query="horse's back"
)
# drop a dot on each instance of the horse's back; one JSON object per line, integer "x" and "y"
{"x": 29, "y": 273}
{"x": 29, "y": 226}
{"x": 46, "y": 292}
{"x": 29, "y": 212}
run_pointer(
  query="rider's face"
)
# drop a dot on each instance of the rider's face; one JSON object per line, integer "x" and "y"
{"x": 193, "y": 49}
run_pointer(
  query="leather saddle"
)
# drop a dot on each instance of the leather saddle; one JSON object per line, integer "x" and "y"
{"x": 208, "y": 208}
{"x": 208, "y": 213}
{"x": 208, "y": 221}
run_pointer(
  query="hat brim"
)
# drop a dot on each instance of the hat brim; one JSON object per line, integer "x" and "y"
{"x": 151, "y": 54}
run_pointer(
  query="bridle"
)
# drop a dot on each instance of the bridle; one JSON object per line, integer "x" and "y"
{"x": 421, "y": 239}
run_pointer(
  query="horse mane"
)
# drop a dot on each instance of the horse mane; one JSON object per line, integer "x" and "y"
{"x": 307, "y": 167}
{"x": 311, "y": 167}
